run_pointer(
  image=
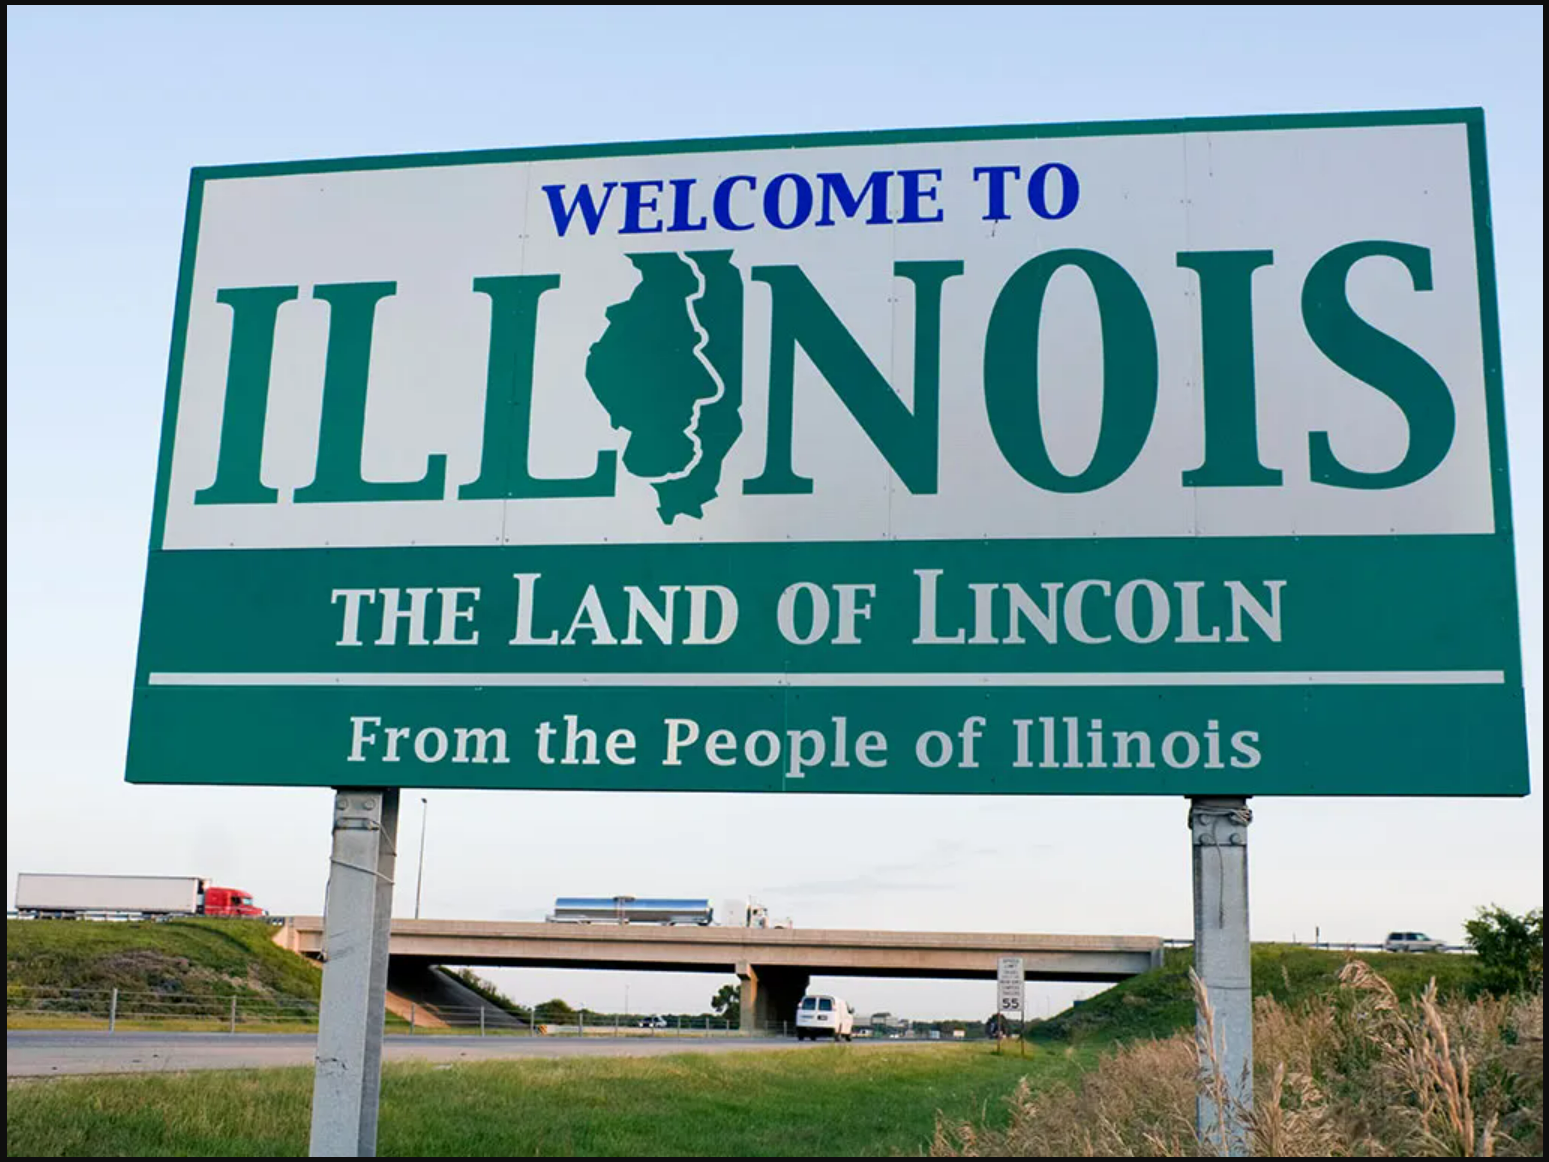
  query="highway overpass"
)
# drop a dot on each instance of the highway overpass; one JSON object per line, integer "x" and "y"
{"x": 775, "y": 965}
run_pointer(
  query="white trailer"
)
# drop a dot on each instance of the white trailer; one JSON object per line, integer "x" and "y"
{"x": 65, "y": 895}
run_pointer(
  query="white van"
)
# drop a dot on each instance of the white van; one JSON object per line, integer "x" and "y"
{"x": 824, "y": 1017}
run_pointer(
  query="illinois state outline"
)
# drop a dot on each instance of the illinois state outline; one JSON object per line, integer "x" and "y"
{"x": 668, "y": 371}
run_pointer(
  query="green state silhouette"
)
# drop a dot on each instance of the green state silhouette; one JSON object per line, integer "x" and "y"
{"x": 646, "y": 374}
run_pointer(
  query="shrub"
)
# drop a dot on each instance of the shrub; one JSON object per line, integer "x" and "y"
{"x": 1510, "y": 949}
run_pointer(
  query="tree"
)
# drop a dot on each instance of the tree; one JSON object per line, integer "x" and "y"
{"x": 1510, "y": 949}
{"x": 556, "y": 1011}
{"x": 728, "y": 1002}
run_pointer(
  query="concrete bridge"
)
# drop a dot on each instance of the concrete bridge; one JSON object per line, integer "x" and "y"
{"x": 775, "y": 965}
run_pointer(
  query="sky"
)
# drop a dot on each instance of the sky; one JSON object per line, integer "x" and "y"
{"x": 108, "y": 109}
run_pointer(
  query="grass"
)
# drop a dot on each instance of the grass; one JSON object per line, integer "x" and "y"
{"x": 191, "y": 955}
{"x": 823, "y": 1101}
{"x": 172, "y": 976}
{"x": 1357, "y": 1070}
{"x": 1161, "y": 1003}
{"x": 1115, "y": 1064}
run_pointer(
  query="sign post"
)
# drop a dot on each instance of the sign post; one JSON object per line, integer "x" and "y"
{"x": 357, "y": 918}
{"x": 1152, "y": 458}
{"x": 1224, "y": 968}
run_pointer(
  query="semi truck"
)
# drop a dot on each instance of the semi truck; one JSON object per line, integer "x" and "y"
{"x": 641, "y": 910}
{"x": 630, "y": 910}
{"x": 63, "y": 896}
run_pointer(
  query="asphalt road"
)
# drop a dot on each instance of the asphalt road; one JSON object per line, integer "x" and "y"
{"x": 38, "y": 1053}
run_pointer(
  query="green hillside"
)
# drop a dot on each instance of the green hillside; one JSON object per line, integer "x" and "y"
{"x": 187, "y": 956}
{"x": 1160, "y": 1003}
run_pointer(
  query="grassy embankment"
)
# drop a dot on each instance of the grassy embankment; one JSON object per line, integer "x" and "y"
{"x": 1160, "y": 1003}
{"x": 821, "y": 1101}
{"x": 172, "y": 975}
{"x": 1092, "y": 1067}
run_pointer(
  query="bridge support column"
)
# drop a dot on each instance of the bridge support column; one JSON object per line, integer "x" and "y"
{"x": 770, "y": 997}
{"x": 747, "y": 1016}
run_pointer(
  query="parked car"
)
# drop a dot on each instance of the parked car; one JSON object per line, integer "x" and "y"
{"x": 1411, "y": 942}
{"x": 824, "y": 1017}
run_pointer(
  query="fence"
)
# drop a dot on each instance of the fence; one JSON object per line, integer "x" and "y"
{"x": 169, "y": 1010}
{"x": 126, "y": 1010}
{"x": 490, "y": 1020}
{"x": 247, "y": 1012}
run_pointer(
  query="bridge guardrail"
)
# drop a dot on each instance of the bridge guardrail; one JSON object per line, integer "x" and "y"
{"x": 1331, "y": 946}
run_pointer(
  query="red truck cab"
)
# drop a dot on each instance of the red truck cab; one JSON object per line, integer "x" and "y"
{"x": 229, "y": 902}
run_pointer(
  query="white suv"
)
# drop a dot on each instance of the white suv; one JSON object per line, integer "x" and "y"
{"x": 1411, "y": 942}
{"x": 824, "y": 1017}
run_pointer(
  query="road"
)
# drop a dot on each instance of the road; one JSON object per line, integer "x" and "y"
{"x": 50, "y": 1053}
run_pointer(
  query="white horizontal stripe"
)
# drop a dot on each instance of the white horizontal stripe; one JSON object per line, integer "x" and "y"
{"x": 1154, "y": 678}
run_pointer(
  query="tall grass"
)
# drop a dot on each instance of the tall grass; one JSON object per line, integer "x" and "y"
{"x": 1359, "y": 1071}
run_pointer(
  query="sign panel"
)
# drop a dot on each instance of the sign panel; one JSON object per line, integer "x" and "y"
{"x": 1010, "y": 987}
{"x": 1125, "y": 458}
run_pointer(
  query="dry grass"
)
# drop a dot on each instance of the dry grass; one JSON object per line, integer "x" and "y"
{"x": 1360, "y": 1072}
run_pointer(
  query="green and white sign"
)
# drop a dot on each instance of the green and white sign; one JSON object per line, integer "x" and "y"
{"x": 1164, "y": 457}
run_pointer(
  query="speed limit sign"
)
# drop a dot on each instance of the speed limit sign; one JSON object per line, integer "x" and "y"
{"x": 1010, "y": 986}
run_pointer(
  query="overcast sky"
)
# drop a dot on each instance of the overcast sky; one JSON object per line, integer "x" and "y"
{"x": 106, "y": 112}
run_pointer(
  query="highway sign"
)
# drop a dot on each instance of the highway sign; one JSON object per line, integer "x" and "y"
{"x": 1010, "y": 987}
{"x": 1157, "y": 457}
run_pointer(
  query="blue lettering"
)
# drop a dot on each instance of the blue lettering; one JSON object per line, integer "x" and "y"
{"x": 722, "y": 203}
{"x": 591, "y": 213}
{"x": 681, "y": 188}
{"x": 836, "y": 187}
{"x": 635, "y": 202}
{"x": 1037, "y": 190}
{"x": 997, "y": 175}
{"x": 803, "y": 201}
{"x": 914, "y": 194}
{"x": 788, "y": 200}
